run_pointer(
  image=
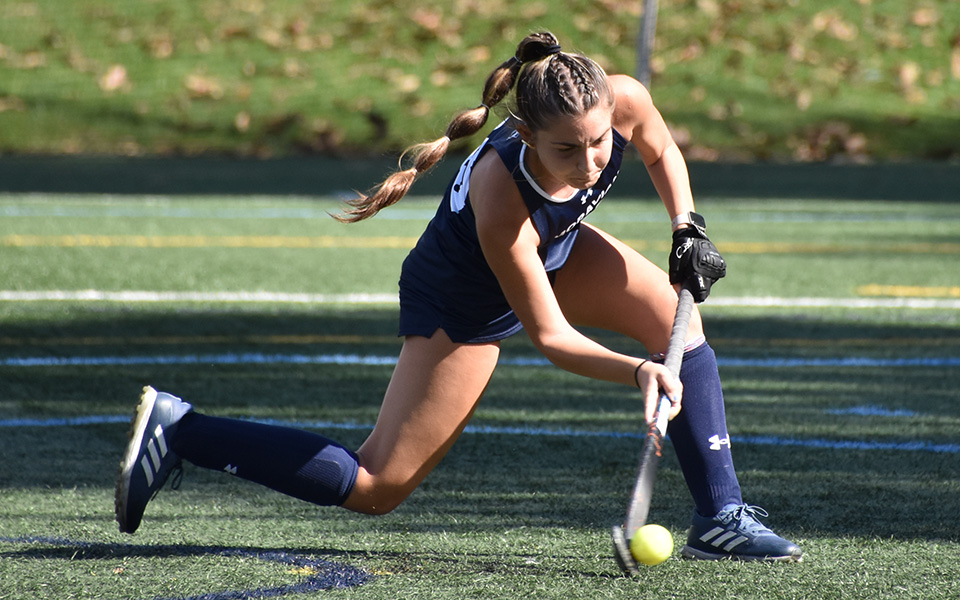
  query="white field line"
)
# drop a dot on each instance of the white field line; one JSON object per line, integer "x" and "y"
{"x": 146, "y": 296}
{"x": 780, "y": 302}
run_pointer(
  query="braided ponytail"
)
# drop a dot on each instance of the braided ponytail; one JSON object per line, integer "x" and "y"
{"x": 498, "y": 84}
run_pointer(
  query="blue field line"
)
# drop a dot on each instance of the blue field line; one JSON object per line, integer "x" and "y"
{"x": 66, "y": 421}
{"x": 912, "y": 446}
{"x": 754, "y": 440}
{"x": 873, "y": 411}
{"x": 257, "y": 358}
{"x": 854, "y": 361}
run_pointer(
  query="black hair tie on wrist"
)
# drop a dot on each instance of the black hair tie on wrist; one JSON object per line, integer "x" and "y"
{"x": 636, "y": 373}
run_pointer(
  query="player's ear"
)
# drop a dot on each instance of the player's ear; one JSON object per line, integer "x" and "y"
{"x": 526, "y": 134}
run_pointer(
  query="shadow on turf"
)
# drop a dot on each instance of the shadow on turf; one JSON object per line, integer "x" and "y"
{"x": 320, "y": 574}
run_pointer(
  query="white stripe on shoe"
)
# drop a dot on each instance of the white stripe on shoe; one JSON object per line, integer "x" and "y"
{"x": 720, "y": 538}
{"x": 152, "y": 466}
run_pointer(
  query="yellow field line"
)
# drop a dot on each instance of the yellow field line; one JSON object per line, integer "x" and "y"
{"x": 402, "y": 242}
{"x": 909, "y": 291}
{"x": 727, "y": 247}
{"x": 204, "y": 241}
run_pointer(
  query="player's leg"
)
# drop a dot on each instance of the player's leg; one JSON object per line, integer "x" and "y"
{"x": 431, "y": 397}
{"x": 637, "y": 299}
{"x": 607, "y": 284}
{"x": 433, "y": 391}
{"x": 166, "y": 430}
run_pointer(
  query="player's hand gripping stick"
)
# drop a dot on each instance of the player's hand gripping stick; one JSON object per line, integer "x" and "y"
{"x": 652, "y": 445}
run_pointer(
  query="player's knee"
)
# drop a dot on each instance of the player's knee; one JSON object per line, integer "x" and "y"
{"x": 375, "y": 496}
{"x": 382, "y": 503}
{"x": 383, "y": 507}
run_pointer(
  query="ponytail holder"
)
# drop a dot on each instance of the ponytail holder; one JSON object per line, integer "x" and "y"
{"x": 548, "y": 51}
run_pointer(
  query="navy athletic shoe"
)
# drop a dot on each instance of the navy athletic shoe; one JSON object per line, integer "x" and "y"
{"x": 149, "y": 459}
{"x": 736, "y": 533}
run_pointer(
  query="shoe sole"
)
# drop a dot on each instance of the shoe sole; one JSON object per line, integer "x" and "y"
{"x": 138, "y": 427}
{"x": 694, "y": 554}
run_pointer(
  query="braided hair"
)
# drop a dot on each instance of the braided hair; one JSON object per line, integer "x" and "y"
{"x": 550, "y": 83}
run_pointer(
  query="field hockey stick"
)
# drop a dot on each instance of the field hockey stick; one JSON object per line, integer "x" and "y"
{"x": 652, "y": 445}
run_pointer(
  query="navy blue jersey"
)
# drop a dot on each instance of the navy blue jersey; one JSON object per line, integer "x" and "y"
{"x": 446, "y": 282}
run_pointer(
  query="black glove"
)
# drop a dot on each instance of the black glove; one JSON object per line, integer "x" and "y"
{"x": 694, "y": 262}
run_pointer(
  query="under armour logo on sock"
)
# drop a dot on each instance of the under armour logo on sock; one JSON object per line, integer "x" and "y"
{"x": 716, "y": 442}
{"x": 230, "y": 469}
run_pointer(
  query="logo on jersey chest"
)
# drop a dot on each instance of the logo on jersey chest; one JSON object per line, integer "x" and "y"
{"x": 591, "y": 199}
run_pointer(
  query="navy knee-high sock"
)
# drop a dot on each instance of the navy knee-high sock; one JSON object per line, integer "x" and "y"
{"x": 699, "y": 434}
{"x": 297, "y": 463}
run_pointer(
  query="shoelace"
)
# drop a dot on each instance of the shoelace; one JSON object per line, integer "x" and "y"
{"x": 177, "y": 474}
{"x": 174, "y": 475}
{"x": 747, "y": 517}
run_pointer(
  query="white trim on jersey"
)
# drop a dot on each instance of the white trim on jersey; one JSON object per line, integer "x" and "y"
{"x": 533, "y": 182}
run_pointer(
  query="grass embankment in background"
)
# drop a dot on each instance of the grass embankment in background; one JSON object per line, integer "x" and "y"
{"x": 843, "y": 416}
{"x": 741, "y": 80}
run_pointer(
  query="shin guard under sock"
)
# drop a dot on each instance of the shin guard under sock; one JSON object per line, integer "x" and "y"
{"x": 298, "y": 463}
{"x": 699, "y": 434}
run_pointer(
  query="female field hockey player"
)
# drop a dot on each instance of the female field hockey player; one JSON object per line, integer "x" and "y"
{"x": 507, "y": 250}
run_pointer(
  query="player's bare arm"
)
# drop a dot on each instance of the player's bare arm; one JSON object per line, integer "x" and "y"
{"x": 638, "y": 120}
